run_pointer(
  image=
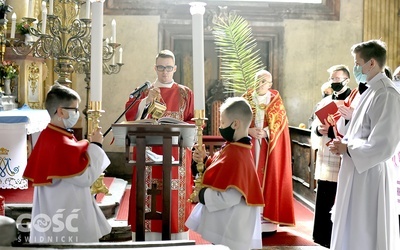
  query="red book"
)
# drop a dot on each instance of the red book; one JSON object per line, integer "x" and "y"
{"x": 327, "y": 112}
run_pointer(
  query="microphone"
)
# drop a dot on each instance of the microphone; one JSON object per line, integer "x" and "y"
{"x": 140, "y": 89}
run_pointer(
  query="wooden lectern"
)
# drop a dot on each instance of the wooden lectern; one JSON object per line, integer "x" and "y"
{"x": 142, "y": 135}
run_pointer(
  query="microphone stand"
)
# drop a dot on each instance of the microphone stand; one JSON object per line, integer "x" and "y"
{"x": 123, "y": 113}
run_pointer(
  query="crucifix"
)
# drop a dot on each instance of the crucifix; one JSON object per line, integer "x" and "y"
{"x": 153, "y": 214}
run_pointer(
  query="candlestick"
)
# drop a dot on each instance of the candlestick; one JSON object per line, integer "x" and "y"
{"x": 120, "y": 55}
{"x": 44, "y": 17}
{"x": 114, "y": 30}
{"x": 13, "y": 24}
{"x": 197, "y": 10}
{"x": 97, "y": 51}
{"x": 51, "y": 4}
{"x": 30, "y": 8}
{"x": 88, "y": 9}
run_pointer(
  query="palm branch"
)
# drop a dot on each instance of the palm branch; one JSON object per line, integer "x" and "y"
{"x": 236, "y": 48}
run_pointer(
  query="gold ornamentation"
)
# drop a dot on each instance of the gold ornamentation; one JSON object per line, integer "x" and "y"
{"x": 99, "y": 187}
{"x": 199, "y": 118}
{"x": 33, "y": 77}
{"x": 157, "y": 109}
{"x": 4, "y": 151}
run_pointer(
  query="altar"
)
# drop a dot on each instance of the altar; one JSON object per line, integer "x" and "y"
{"x": 15, "y": 127}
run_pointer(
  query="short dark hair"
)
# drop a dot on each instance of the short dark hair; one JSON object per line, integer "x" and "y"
{"x": 375, "y": 49}
{"x": 237, "y": 108}
{"x": 60, "y": 96}
{"x": 340, "y": 67}
{"x": 166, "y": 54}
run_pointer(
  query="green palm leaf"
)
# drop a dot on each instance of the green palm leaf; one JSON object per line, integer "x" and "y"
{"x": 236, "y": 48}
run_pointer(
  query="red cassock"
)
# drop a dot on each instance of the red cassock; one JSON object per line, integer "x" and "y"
{"x": 179, "y": 102}
{"x": 275, "y": 165}
{"x": 73, "y": 160}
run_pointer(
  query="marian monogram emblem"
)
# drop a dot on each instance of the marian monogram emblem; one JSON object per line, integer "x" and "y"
{"x": 7, "y": 173}
{"x": 5, "y": 168}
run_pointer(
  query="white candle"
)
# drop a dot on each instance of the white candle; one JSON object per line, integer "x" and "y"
{"x": 114, "y": 30}
{"x": 30, "y": 8}
{"x": 13, "y": 24}
{"x": 120, "y": 55}
{"x": 44, "y": 17}
{"x": 197, "y": 10}
{"x": 51, "y": 4}
{"x": 88, "y": 9}
{"x": 96, "y": 70}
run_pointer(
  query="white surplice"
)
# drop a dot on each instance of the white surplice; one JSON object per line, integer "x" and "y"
{"x": 226, "y": 219}
{"x": 66, "y": 211}
{"x": 364, "y": 215}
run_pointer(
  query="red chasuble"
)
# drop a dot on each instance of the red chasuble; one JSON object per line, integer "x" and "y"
{"x": 179, "y": 102}
{"x": 57, "y": 154}
{"x": 275, "y": 164}
{"x": 233, "y": 167}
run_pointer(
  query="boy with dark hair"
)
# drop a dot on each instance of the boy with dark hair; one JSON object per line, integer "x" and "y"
{"x": 62, "y": 170}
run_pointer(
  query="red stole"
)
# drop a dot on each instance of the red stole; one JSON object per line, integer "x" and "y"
{"x": 233, "y": 167}
{"x": 57, "y": 154}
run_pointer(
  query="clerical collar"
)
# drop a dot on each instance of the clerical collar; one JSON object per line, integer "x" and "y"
{"x": 342, "y": 96}
{"x": 245, "y": 140}
{"x": 158, "y": 84}
{"x": 340, "y": 91}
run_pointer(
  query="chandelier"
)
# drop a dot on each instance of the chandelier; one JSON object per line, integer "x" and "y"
{"x": 65, "y": 37}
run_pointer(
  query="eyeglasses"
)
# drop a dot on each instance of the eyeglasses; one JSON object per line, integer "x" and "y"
{"x": 337, "y": 79}
{"x": 263, "y": 81}
{"x": 396, "y": 77}
{"x": 69, "y": 108}
{"x": 162, "y": 68}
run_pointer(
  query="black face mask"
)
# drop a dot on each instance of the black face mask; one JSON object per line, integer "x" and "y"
{"x": 227, "y": 133}
{"x": 337, "y": 86}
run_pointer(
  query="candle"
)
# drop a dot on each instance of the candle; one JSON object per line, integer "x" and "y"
{"x": 96, "y": 69}
{"x": 51, "y": 3}
{"x": 30, "y": 8}
{"x": 114, "y": 30}
{"x": 197, "y": 11}
{"x": 120, "y": 55}
{"x": 44, "y": 17}
{"x": 88, "y": 9}
{"x": 13, "y": 24}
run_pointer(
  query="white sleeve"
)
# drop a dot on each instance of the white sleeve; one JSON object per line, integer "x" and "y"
{"x": 98, "y": 162}
{"x": 216, "y": 200}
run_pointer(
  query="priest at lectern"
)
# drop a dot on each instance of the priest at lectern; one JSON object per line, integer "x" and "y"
{"x": 178, "y": 103}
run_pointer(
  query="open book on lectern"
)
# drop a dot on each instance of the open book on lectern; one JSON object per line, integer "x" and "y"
{"x": 162, "y": 120}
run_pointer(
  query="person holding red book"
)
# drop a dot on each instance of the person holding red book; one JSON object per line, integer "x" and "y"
{"x": 327, "y": 164}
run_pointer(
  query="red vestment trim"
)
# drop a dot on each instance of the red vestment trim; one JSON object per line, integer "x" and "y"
{"x": 57, "y": 154}
{"x": 275, "y": 163}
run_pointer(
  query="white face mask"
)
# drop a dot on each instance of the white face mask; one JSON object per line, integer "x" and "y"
{"x": 72, "y": 119}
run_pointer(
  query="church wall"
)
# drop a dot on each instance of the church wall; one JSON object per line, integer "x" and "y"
{"x": 138, "y": 36}
{"x": 310, "y": 48}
